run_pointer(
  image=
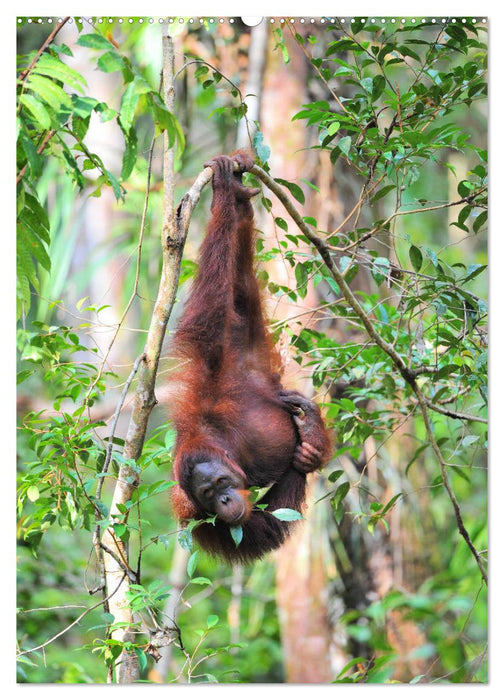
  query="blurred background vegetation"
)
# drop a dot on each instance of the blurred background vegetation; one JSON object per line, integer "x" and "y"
{"x": 361, "y": 120}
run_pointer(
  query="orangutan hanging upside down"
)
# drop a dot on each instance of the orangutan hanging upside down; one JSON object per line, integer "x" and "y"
{"x": 237, "y": 427}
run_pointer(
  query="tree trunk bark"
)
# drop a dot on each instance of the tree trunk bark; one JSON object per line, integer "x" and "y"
{"x": 115, "y": 552}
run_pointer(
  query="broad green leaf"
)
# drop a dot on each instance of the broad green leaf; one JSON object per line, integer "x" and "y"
{"x": 212, "y": 620}
{"x": 480, "y": 221}
{"x": 142, "y": 658}
{"x": 378, "y": 86}
{"x": 340, "y": 493}
{"x": 30, "y": 219}
{"x": 287, "y": 514}
{"x": 344, "y": 144}
{"x": 35, "y": 246}
{"x": 49, "y": 91}
{"x": 416, "y": 257}
{"x": 185, "y": 539}
{"x": 94, "y": 41}
{"x": 26, "y": 271}
{"x": 130, "y": 100}
{"x": 130, "y": 154}
{"x": 110, "y": 62}
{"x": 23, "y": 375}
{"x": 301, "y": 279}
{"x": 281, "y": 223}
{"x": 236, "y": 533}
{"x": 192, "y": 563}
{"x": 294, "y": 189}
{"x": 334, "y": 476}
{"x": 34, "y": 160}
{"x": 54, "y": 68}
{"x": 37, "y": 109}
{"x": 33, "y": 493}
{"x": 263, "y": 151}
{"x": 382, "y": 192}
{"x": 39, "y": 212}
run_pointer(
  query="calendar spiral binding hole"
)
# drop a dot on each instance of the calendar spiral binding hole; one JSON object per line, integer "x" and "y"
{"x": 271, "y": 20}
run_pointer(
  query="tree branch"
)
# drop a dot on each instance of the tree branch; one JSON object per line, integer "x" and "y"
{"x": 26, "y": 72}
{"x": 406, "y": 373}
{"x": 75, "y": 622}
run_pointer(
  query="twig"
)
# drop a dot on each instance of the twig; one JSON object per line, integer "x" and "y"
{"x": 396, "y": 358}
{"x": 75, "y": 622}
{"x": 454, "y": 414}
{"x": 110, "y": 444}
{"x": 137, "y": 272}
{"x": 446, "y": 483}
{"x": 24, "y": 74}
{"x": 120, "y": 560}
{"x": 422, "y": 210}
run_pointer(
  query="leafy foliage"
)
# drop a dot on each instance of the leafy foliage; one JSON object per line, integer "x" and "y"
{"x": 53, "y": 119}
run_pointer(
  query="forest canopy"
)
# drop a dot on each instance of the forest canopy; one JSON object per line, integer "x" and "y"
{"x": 369, "y": 139}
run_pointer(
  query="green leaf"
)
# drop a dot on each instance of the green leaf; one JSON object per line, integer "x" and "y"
{"x": 33, "y": 493}
{"x": 192, "y": 563}
{"x": 142, "y": 658}
{"x": 110, "y": 62}
{"x": 236, "y": 533}
{"x": 334, "y": 476}
{"x": 212, "y": 620}
{"x": 34, "y": 160}
{"x": 130, "y": 100}
{"x": 263, "y": 151}
{"x": 333, "y": 128}
{"x": 94, "y": 41}
{"x": 41, "y": 218}
{"x": 37, "y": 109}
{"x": 480, "y": 221}
{"x": 294, "y": 189}
{"x": 301, "y": 280}
{"x": 382, "y": 192}
{"x": 416, "y": 257}
{"x": 54, "y": 68}
{"x": 185, "y": 539}
{"x": 49, "y": 91}
{"x": 83, "y": 106}
{"x": 340, "y": 493}
{"x": 281, "y": 223}
{"x": 130, "y": 154}
{"x": 23, "y": 375}
{"x": 380, "y": 270}
{"x": 344, "y": 144}
{"x": 389, "y": 505}
{"x": 464, "y": 188}
{"x": 287, "y": 514}
{"x": 378, "y": 87}
{"x": 35, "y": 246}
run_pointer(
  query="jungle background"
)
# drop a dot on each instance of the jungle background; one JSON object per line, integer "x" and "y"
{"x": 373, "y": 260}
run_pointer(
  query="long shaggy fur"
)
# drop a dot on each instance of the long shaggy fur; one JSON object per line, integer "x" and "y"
{"x": 225, "y": 395}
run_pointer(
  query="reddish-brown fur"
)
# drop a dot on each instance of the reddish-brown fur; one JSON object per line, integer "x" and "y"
{"x": 227, "y": 401}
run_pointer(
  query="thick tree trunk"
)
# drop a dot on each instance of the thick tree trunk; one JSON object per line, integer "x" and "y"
{"x": 301, "y": 578}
